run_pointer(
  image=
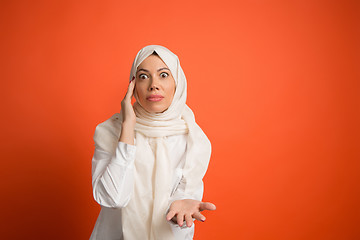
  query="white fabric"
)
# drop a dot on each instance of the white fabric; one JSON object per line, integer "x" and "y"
{"x": 113, "y": 181}
{"x": 144, "y": 217}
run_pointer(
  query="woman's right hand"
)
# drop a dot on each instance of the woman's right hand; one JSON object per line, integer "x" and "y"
{"x": 128, "y": 114}
{"x": 127, "y": 134}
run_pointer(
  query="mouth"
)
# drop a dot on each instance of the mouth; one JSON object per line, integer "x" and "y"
{"x": 155, "y": 98}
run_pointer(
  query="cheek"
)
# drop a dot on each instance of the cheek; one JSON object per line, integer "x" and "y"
{"x": 170, "y": 93}
{"x": 139, "y": 91}
{"x": 170, "y": 88}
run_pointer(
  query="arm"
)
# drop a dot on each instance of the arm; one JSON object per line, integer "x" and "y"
{"x": 113, "y": 175}
{"x": 183, "y": 207}
{"x": 185, "y": 202}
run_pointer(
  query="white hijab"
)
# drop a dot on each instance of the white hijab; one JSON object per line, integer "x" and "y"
{"x": 145, "y": 215}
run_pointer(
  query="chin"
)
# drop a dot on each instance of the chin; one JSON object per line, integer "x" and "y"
{"x": 156, "y": 110}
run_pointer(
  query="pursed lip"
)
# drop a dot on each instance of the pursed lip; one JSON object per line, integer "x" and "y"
{"x": 155, "y": 98}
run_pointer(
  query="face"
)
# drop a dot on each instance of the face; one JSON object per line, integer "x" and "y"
{"x": 155, "y": 86}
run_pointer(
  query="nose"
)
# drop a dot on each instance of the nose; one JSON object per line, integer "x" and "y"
{"x": 154, "y": 85}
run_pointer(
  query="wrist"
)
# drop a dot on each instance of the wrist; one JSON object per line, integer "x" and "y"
{"x": 127, "y": 133}
{"x": 128, "y": 125}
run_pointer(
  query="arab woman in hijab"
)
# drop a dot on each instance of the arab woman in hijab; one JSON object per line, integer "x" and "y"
{"x": 150, "y": 158}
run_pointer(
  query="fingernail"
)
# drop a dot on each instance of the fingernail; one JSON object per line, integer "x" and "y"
{"x": 132, "y": 78}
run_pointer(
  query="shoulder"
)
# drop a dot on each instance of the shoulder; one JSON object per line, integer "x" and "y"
{"x": 107, "y": 133}
{"x": 110, "y": 125}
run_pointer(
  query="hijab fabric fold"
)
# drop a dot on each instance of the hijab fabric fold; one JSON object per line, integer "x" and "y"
{"x": 145, "y": 215}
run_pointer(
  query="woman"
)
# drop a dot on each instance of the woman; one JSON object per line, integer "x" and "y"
{"x": 150, "y": 158}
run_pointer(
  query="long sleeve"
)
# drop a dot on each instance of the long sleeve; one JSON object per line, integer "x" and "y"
{"x": 113, "y": 175}
{"x": 179, "y": 193}
{"x": 178, "y": 148}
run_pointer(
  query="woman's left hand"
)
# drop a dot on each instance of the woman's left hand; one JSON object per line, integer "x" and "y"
{"x": 186, "y": 210}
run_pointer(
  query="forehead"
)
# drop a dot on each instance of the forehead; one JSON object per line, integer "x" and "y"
{"x": 152, "y": 61}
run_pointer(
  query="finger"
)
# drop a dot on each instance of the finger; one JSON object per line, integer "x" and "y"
{"x": 170, "y": 215}
{"x": 180, "y": 219}
{"x": 198, "y": 216}
{"x": 207, "y": 206}
{"x": 130, "y": 90}
{"x": 133, "y": 78}
{"x": 188, "y": 220}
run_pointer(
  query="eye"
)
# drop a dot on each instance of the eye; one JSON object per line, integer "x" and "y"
{"x": 164, "y": 74}
{"x": 143, "y": 76}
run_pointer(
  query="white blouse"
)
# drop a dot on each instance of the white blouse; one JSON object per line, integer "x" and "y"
{"x": 113, "y": 180}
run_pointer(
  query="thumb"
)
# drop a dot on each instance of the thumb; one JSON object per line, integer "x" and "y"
{"x": 207, "y": 206}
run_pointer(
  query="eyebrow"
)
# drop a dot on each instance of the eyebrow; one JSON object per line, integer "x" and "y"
{"x": 145, "y": 70}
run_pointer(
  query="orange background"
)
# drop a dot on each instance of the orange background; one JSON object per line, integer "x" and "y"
{"x": 274, "y": 85}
